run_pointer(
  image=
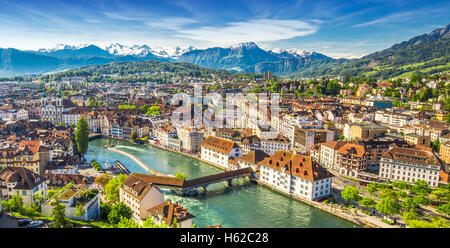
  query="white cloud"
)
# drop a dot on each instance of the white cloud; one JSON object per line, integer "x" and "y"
{"x": 389, "y": 18}
{"x": 174, "y": 23}
{"x": 259, "y": 30}
{"x": 345, "y": 55}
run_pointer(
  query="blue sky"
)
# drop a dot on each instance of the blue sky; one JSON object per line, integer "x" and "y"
{"x": 335, "y": 28}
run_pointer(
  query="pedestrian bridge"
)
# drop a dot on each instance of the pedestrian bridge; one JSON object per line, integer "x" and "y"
{"x": 186, "y": 187}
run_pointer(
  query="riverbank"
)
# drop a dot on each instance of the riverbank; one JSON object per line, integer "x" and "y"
{"x": 336, "y": 212}
{"x": 232, "y": 207}
{"x": 360, "y": 219}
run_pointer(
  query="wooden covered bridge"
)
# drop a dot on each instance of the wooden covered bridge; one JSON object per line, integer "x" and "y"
{"x": 186, "y": 187}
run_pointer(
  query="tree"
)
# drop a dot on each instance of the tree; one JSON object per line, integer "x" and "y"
{"x": 126, "y": 223}
{"x": 119, "y": 210}
{"x": 105, "y": 209}
{"x": 421, "y": 199}
{"x": 180, "y": 175}
{"x": 441, "y": 193}
{"x": 175, "y": 223}
{"x": 149, "y": 223}
{"x": 80, "y": 211}
{"x": 372, "y": 187}
{"x": 113, "y": 186}
{"x": 410, "y": 215}
{"x": 420, "y": 187}
{"x": 38, "y": 197}
{"x": 386, "y": 192}
{"x": 388, "y": 205}
{"x": 409, "y": 204}
{"x": 400, "y": 185}
{"x": 59, "y": 215}
{"x": 445, "y": 209}
{"x": 367, "y": 202}
{"x": 436, "y": 145}
{"x": 82, "y": 136}
{"x": 402, "y": 194}
{"x": 16, "y": 203}
{"x": 438, "y": 222}
{"x": 134, "y": 135}
{"x": 350, "y": 193}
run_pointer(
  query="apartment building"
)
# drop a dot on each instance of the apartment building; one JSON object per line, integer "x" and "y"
{"x": 410, "y": 165}
{"x": 88, "y": 199}
{"x": 271, "y": 146}
{"x": 21, "y": 181}
{"x": 138, "y": 193}
{"x": 327, "y": 153}
{"x": 444, "y": 152}
{"x": 168, "y": 211}
{"x": 416, "y": 139}
{"x": 306, "y": 138}
{"x": 351, "y": 159}
{"x": 296, "y": 174}
{"x": 363, "y": 130}
{"x": 252, "y": 159}
{"x": 191, "y": 140}
{"x": 218, "y": 150}
{"x": 30, "y": 154}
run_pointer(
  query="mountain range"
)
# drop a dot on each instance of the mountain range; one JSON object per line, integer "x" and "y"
{"x": 426, "y": 53}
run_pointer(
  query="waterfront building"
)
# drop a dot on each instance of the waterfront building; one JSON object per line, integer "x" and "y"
{"x": 169, "y": 211}
{"x": 296, "y": 174}
{"x": 174, "y": 143}
{"x": 410, "y": 165}
{"x": 191, "y": 140}
{"x": 138, "y": 193}
{"x": 21, "y": 181}
{"x": 163, "y": 132}
{"x": 218, "y": 151}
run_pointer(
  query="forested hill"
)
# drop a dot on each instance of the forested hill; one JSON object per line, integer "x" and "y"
{"x": 426, "y": 53}
{"x": 155, "y": 71}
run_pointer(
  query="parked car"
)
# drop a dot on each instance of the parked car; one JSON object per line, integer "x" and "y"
{"x": 37, "y": 223}
{"x": 23, "y": 222}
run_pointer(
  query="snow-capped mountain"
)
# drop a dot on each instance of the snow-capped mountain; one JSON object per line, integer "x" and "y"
{"x": 244, "y": 45}
{"x": 143, "y": 50}
{"x": 62, "y": 47}
{"x": 122, "y": 50}
{"x": 296, "y": 53}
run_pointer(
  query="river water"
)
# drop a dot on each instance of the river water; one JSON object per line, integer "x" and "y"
{"x": 244, "y": 204}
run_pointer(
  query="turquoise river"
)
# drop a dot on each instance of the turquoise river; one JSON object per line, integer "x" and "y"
{"x": 244, "y": 204}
